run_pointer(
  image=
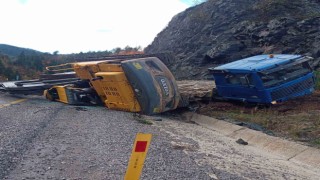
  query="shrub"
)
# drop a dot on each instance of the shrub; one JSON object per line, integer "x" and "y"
{"x": 317, "y": 79}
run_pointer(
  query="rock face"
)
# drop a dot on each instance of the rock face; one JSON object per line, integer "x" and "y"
{"x": 221, "y": 31}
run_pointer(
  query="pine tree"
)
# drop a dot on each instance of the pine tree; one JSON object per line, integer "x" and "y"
{"x": 2, "y": 68}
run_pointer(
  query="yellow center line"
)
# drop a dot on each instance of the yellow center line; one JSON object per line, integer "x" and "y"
{"x": 18, "y": 101}
{"x": 13, "y": 102}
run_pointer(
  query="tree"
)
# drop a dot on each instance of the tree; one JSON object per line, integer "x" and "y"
{"x": 37, "y": 64}
{"x": 2, "y": 68}
{"x": 128, "y": 49}
{"x": 8, "y": 72}
{"x": 116, "y": 50}
{"x": 21, "y": 59}
{"x": 138, "y": 48}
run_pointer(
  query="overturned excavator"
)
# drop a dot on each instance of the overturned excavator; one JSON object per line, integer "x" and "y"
{"x": 142, "y": 85}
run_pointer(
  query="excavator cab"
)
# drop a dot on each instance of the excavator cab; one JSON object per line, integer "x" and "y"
{"x": 154, "y": 85}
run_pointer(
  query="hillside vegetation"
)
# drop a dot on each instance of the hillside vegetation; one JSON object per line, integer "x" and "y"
{"x": 21, "y": 67}
{"x": 220, "y": 31}
{"x": 22, "y": 63}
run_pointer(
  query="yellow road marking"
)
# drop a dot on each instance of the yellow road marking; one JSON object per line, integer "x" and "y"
{"x": 11, "y": 103}
{"x": 138, "y": 155}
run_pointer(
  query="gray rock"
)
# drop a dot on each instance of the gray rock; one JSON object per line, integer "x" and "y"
{"x": 221, "y": 31}
{"x": 241, "y": 141}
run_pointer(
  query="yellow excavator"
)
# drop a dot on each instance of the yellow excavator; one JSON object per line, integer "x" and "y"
{"x": 143, "y": 85}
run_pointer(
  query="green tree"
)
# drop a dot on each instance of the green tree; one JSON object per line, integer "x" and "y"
{"x": 8, "y": 72}
{"x": 21, "y": 59}
{"x": 128, "y": 49}
{"x": 2, "y": 68}
{"x": 116, "y": 50}
{"x": 38, "y": 64}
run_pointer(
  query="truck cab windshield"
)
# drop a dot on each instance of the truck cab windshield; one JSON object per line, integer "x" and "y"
{"x": 284, "y": 75}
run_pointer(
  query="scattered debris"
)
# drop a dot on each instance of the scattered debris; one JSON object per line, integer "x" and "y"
{"x": 158, "y": 119}
{"x": 138, "y": 117}
{"x": 255, "y": 127}
{"x": 183, "y": 146}
{"x": 81, "y": 109}
{"x": 241, "y": 141}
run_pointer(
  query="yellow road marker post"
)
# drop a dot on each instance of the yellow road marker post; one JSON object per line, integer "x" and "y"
{"x": 138, "y": 156}
{"x": 11, "y": 103}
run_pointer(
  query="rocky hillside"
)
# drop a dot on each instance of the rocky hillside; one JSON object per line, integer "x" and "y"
{"x": 220, "y": 31}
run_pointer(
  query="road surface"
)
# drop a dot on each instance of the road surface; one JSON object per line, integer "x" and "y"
{"x": 50, "y": 140}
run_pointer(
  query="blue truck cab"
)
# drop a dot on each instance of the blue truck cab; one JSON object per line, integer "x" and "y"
{"x": 265, "y": 79}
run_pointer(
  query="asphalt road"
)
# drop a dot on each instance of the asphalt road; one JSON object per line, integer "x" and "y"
{"x": 50, "y": 140}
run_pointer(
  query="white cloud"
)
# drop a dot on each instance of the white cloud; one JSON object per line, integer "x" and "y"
{"x": 84, "y": 25}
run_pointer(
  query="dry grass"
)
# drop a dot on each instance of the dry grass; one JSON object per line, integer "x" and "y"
{"x": 317, "y": 73}
{"x": 297, "y": 119}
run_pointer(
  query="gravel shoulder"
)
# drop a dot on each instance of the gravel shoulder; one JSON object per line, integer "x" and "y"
{"x": 223, "y": 155}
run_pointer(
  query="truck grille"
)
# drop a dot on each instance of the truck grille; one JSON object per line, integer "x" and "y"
{"x": 296, "y": 88}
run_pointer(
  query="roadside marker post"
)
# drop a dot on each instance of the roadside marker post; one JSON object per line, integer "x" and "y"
{"x": 138, "y": 156}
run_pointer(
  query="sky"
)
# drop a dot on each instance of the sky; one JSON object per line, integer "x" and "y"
{"x": 73, "y": 26}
